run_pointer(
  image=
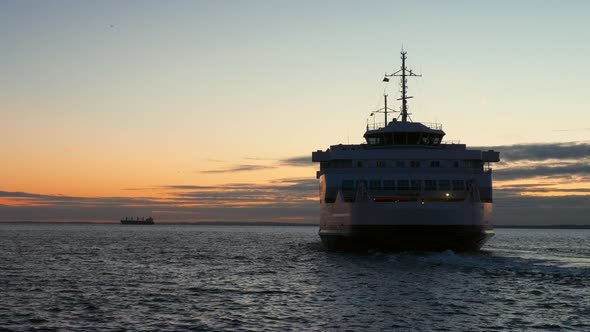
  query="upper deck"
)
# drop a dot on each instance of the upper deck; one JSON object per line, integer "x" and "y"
{"x": 405, "y": 133}
{"x": 381, "y": 125}
{"x": 404, "y": 152}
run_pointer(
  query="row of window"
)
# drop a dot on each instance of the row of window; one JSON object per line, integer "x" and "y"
{"x": 414, "y": 185}
{"x": 402, "y": 163}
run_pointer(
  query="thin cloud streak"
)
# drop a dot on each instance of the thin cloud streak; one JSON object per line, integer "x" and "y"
{"x": 302, "y": 161}
{"x": 239, "y": 168}
{"x": 289, "y": 199}
{"x": 541, "y": 152}
{"x": 513, "y": 173}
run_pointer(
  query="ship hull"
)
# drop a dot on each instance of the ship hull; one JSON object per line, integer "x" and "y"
{"x": 401, "y": 226}
{"x": 406, "y": 237}
{"x": 135, "y": 222}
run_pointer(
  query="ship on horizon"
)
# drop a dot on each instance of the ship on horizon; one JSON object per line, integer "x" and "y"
{"x": 404, "y": 188}
{"x": 137, "y": 221}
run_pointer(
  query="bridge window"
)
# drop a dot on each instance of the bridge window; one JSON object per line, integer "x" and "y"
{"x": 415, "y": 185}
{"x": 380, "y": 163}
{"x": 414, "y": 163}
{"x": 435, "y": 163}
{"x": 399, "y": 163}
{"x": 413, "y": 138}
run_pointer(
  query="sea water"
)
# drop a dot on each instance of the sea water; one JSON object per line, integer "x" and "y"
{"x": 80, "y": 277}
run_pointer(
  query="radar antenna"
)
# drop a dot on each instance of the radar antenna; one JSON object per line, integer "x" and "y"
{"x": 403, "y": 72}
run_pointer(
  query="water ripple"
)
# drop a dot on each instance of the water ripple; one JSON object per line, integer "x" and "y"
{"x": 107, "y": 277}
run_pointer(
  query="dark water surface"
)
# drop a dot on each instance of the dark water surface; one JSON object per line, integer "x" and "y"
{"x": 191, "y": 277}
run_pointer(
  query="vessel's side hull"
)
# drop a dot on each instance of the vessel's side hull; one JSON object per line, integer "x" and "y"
{"x": 134, "y": 222}
{"x": 406, "y": 237}
{"x": 459, "y": 226}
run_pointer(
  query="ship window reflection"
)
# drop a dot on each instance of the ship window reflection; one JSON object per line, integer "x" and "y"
{"x": 388, "y": 139}
{"x": 413, "y": 138}
{"x": 373, "y": 140}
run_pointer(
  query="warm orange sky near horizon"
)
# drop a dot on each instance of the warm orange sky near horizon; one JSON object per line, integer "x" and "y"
{"x": 135, "y": 100}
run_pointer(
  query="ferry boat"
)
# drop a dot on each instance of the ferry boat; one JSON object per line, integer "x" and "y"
{"x": 137, "y": 221}
{"x": 404, "y": 188}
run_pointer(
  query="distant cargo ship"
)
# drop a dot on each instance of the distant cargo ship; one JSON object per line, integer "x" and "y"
{"x": 138, "y": 221}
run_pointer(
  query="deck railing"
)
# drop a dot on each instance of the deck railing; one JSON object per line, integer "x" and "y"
{"x": 379, "y": 125}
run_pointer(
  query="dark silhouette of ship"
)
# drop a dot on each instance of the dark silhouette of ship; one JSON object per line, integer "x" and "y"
{"x": 137, "y": 221}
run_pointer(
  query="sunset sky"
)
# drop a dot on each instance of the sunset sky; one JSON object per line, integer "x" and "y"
{"x": 209, "y": 110}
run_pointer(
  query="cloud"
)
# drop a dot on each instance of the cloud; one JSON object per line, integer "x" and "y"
{"x": 289, "y": 191}
{"x": 556, "y": 160}
{"x": 239, "y": 168}
{"x": 289, "y": 199}
{"x": 300, "y": 161}
{"x": 259, "y": 158}
{"x": 568, "y": 170}
{"x": 540, "y": 152}
{"x": 571, "y": 129}
{"x": 298, "y": 184}
{"x": 550, "y": 210}
{"x": 24, "y": 198}
{"x": 283, "y": 184}
{"x": 297, "y": 161}
{"x": 549, "y": 169}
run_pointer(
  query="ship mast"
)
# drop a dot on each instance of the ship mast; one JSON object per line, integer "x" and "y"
{"x": 384, "y": 110}
{"x": 403, "y": 73}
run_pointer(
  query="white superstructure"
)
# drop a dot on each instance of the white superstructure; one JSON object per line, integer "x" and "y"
{"x": 405, "y": 188}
